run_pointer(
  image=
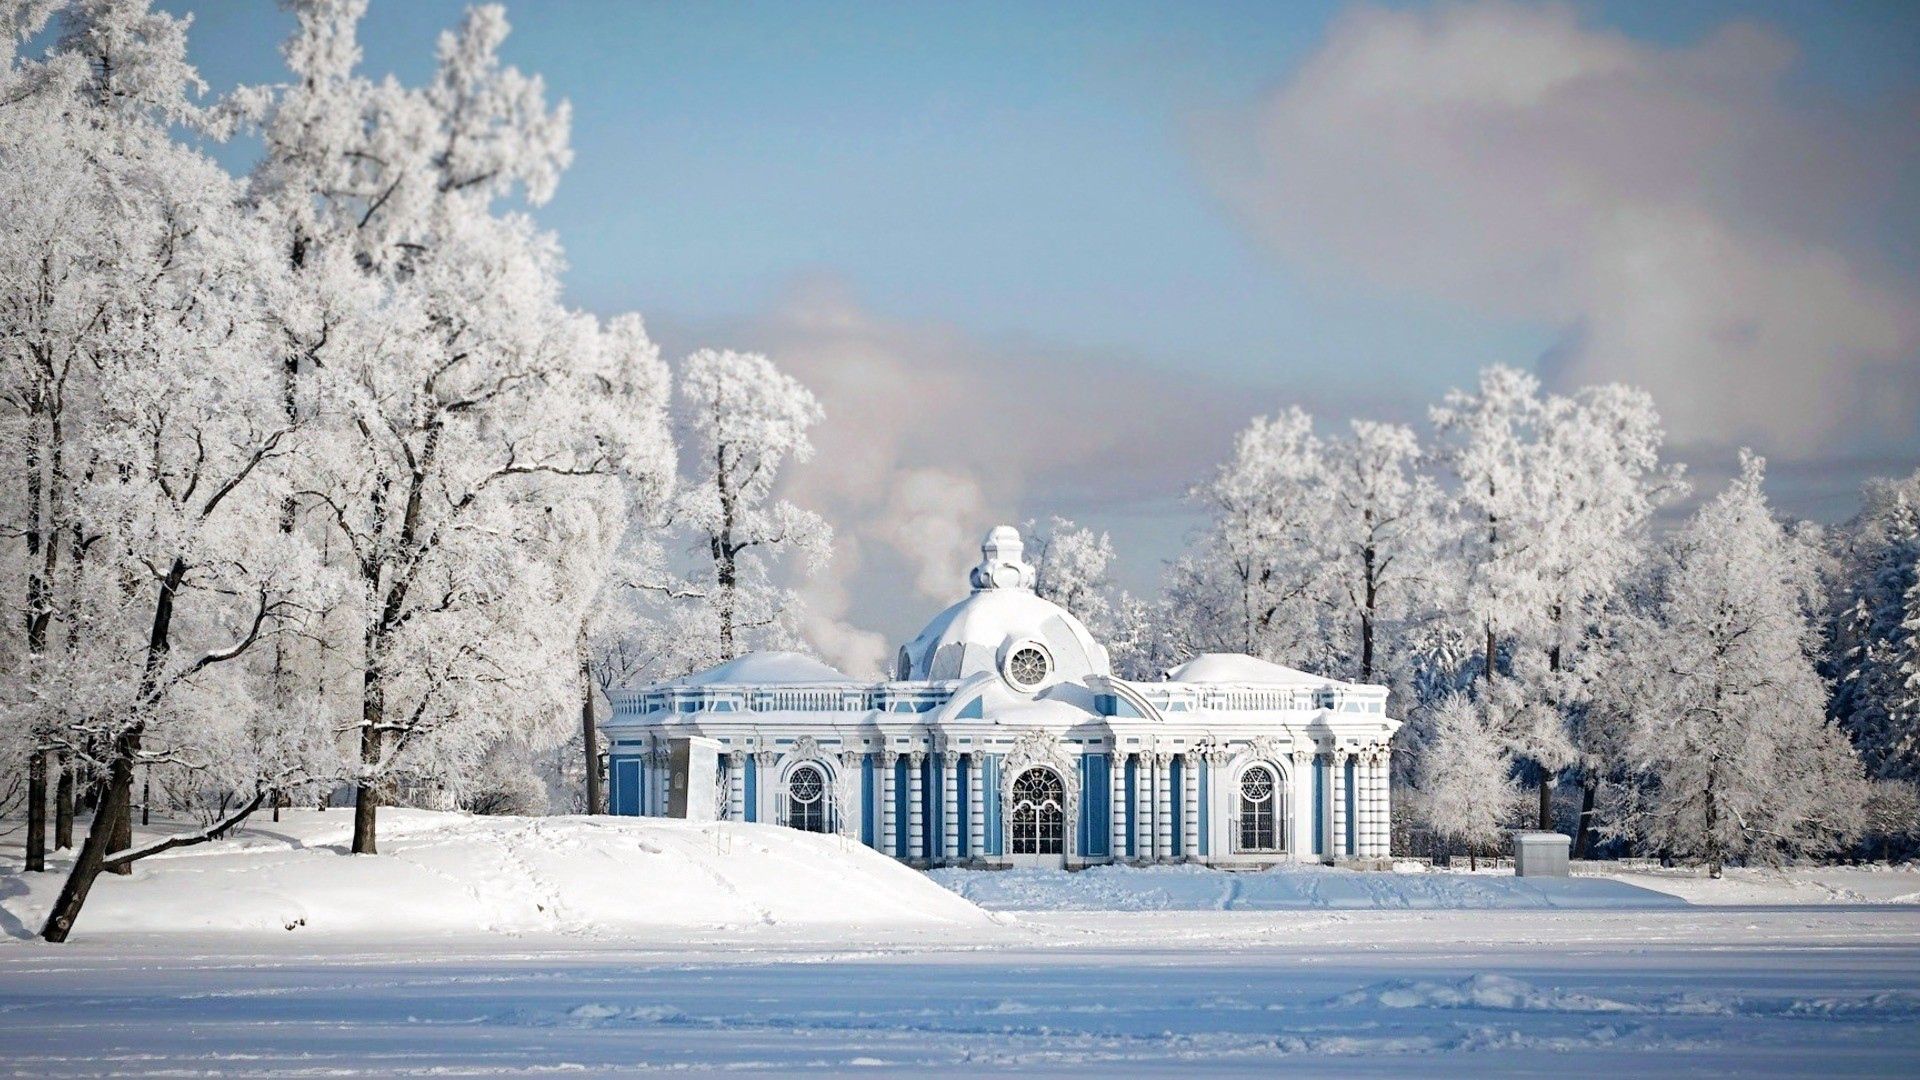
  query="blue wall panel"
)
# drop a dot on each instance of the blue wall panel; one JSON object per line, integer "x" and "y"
{"x": 990, "y": 802}
{"x": 752, "y": 793}
{"x": 1352, "y": 825}
{"x": 1096, "y": 805}
{"x": 868, "y": 804}
{"x": 1319, "y": 806}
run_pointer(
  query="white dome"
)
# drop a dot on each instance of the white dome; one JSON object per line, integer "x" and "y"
{"x": 772, "y": 668}
{"x": 1238, "y": 668}
{"x": 983, "y": 631}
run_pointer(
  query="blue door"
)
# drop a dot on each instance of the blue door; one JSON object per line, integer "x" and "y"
{"x": 626, "y": 787}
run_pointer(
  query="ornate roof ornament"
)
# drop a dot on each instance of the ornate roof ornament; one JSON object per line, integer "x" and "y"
{"x": 1001, "y": 565}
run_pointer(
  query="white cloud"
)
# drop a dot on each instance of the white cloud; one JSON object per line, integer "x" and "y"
{"x": 932, "y": 436}
{"x": 1690, "y": 220}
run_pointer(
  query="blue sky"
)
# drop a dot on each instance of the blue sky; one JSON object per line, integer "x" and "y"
{"x": 1040, "y": 196}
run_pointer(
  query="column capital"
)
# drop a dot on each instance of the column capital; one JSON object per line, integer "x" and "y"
{"x": 915, "y": 757}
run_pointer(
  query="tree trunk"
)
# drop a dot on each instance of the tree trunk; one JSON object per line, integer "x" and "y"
{"x": 63, "y": 805}
{"x": 1370, "y": 572}
{"x": 590, "y": 738}
{"x": 86, "y": 868}
{"x": 1583, "y": 830}
{"x": 1546, "y": 802}
{"x": 36, "y": 811}
{"x": 366, "y": 797}
{"x": 365, "y": 802}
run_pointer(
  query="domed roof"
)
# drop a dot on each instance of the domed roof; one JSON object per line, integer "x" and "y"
{"x": 1237, "y": 668}
{"x": 772, "y": 668}
{"x": 983, "y": 632}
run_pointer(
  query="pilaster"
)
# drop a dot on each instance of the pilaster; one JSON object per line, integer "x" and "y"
{"x": 1190, "y": 766}
{"x": 950, "y": 805}
{"x": 916, "y": 813}
{"x": 889, "y": 824}
{"x": 976, "y": 809}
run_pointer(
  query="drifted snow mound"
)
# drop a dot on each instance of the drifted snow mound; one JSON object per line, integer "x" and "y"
{"x": 448, "y": 874}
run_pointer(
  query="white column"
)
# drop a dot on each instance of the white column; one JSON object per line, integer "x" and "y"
{"x": 736, "y": 786}
{"x": 916, "y": 819}
{"x": 976, "y": 808}
{"x": 1382, "y": 825}
{"x": 1385, "y": 796}
{"x": 1190, "y": 765}
{"x": 1300, "y": 806}
{"x": 1163, "y": 806}
{"x": 1141, "y": 820}
{"x": 763, "y": 784}
{"x": 888, "y": 824}
{"x": 1362, "y": 805}
{"x": 662, "y": 765}
{"x": 950, "y": 799}
{"x": 1339, "y": 817}
{"x": 1118, "y": 803}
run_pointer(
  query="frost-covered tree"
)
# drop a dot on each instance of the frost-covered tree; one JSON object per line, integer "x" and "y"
{"x": 1732, "y": 754}
{"x": 1071, "y": 568}
{"x": 1873, "y": 645}
{"x": 136, "y": 294}
{"x": 1465, "y": 776}
{"x": 1382, "y": 536}
{"x": 1554, "y": 496}
{"x": 1487, "y": 440}
{"x": 1253, "y": 579}
{"x": 745, "y": 418}
{"x": 469, "y": 479}
{"x": 1140, "y": 637}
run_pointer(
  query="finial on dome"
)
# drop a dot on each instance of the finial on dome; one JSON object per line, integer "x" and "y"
{"x": 1001, "y": 566}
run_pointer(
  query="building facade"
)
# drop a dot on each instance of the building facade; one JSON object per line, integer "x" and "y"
{"x": 1005, "y": 740}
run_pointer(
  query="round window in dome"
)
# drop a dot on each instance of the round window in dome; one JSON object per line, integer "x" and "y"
{"x": 1028, "y": 666}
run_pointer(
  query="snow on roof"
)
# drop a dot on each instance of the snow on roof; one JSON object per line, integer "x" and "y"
{"x": 967, "y": 638}
{"x": 1236, "y": 668}
{"x": 767, "y": 669}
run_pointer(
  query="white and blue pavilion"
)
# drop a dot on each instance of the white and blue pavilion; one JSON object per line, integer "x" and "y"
{"x": 1005, "y": 740}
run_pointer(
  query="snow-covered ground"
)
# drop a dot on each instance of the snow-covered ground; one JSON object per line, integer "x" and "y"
{"x": 1289, "y": 888}
{"x": 440, "y": 874}
{"x": 1299, "y": 888}
{"x": 524, "y": 947}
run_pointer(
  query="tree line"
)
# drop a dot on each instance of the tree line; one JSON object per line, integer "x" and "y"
{"x": 1735, "y": 686}
{"x": 313, "y": 484}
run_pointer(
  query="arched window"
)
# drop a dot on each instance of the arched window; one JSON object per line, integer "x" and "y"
{"x": 807, "y": 799}
{"x": 1039, "y": 813}
{"x": 1259, "y": 800}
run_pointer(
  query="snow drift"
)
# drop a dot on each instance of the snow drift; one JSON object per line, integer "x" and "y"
{"x": 450, "y": 874}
